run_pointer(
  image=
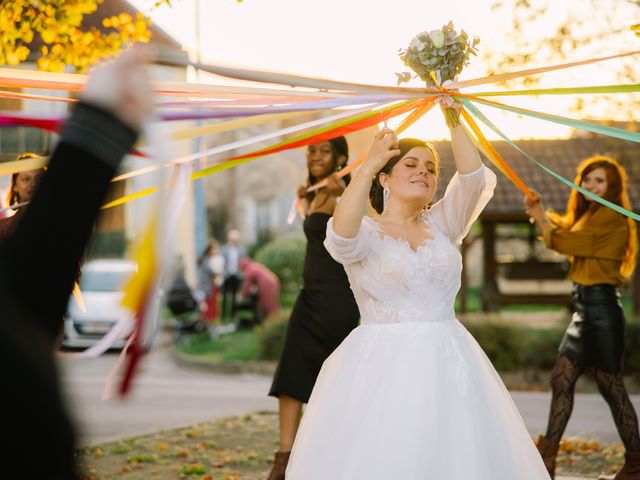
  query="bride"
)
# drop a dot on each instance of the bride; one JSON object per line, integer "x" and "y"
{"x": 409, "y": 394}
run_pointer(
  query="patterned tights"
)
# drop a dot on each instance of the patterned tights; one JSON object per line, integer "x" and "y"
{"x": 611, "y": 385}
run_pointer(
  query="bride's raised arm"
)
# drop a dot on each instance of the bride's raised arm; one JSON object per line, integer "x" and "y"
{"x": 353, "y": 203}
{"x": 465, "y": 153}
{"x": 468, "y": 192}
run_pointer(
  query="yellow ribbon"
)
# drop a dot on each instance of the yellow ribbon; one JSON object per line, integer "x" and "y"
{"x": 228, "y": 125}
{"x": 140, "y": 283}
{"x": 132, "y": 196}
{"x": 77, "y": 295}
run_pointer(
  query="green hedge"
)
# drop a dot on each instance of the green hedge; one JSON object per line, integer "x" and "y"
{"x": 285, "y": 258}
{"x": 509, "y": 347}
{"x": 107, "y": 244}
{"x": 271, "y": 335}
{"x": 512, "y": 347}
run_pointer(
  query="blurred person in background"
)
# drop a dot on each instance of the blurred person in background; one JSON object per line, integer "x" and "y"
{"x": 232, "y": 252}
{"x": 21, "y": 190}
{"x": 260, "y": 290}
{"x": 40, "y": 260}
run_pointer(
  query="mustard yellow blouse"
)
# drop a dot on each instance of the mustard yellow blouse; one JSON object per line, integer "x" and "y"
{"x": 596, "y": 243}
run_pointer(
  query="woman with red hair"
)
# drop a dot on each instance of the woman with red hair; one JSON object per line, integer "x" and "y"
{"x": 602, "y": 245}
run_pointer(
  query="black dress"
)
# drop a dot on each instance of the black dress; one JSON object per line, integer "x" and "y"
{"x": 324, "y": 314}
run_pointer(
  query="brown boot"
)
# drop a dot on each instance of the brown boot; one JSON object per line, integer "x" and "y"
{"x": 549, "y": 451}
{"x": 279, "y": 466}
{"x": 630, "y": 469}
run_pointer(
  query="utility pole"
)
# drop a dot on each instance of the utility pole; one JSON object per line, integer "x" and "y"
{"x": 200, "y": 209}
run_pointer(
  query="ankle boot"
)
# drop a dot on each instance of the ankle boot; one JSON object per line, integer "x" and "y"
{"x": 549, "y": 451}
{"x": 630, "y": 469}
{"x": 280, "y": 462}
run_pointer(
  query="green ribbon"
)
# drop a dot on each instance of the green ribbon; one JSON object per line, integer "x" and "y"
{"x": 581, "y": 124}
{"x": 480, "y": 116}
{"x": 564, "y": 91}
{"x": 267, "y": 150}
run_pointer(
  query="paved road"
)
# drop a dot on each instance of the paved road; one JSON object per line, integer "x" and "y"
{"x": 167, "y": 395}
{"x": 164, "y": 396}
{"x": 591, "y": 417}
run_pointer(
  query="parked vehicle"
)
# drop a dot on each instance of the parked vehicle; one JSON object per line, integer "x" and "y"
{"x": 101, "y": 283}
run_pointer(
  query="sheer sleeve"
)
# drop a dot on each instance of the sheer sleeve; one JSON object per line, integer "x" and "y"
{"x": 465, "y": 198}
{"x": 348, "y": 250}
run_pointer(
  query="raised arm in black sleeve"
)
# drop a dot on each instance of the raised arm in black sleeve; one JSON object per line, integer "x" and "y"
{"x": 49, "y": 242}
{"x": 37, "y": 269}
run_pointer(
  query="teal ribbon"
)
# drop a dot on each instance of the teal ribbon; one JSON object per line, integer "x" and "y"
{"x": 629, "y": 88}
{"x": 581, "y": 124}
{"x": 480, "y": 116}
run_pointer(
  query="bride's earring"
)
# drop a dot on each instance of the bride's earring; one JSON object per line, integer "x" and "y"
{"x": 385, "y": 198}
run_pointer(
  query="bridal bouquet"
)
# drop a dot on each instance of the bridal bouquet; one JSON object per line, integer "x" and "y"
{"x": 438, "y": 56}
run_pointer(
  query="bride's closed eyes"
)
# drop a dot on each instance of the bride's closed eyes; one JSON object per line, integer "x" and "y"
{"x": 413, "y": 163}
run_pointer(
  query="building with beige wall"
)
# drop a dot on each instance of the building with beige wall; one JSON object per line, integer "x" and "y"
{"x": 118, "y": 227}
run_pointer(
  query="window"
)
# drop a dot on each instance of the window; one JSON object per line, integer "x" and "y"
{"x": 15, "y": 140}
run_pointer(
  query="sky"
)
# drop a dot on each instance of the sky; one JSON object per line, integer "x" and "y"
{"x": 358, "y": 41}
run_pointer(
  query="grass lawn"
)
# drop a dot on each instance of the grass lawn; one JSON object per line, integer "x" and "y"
{"x": 241, "y": 345}
{"x": 241, "y": 448}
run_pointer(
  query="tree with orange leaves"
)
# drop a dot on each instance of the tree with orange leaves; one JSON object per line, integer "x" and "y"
{"x": 65, "y": 41}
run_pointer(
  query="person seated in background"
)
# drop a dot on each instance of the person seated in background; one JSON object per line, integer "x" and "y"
{"x": 260, "y": 290}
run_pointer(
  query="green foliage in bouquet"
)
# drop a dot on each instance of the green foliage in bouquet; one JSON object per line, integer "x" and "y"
{"x": 437, "y": 57}
{"x": 444, "y": 52}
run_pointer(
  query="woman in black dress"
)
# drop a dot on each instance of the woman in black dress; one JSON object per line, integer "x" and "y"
{"x": 325, "y": 311}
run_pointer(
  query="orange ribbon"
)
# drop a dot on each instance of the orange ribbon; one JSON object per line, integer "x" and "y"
{"x": 496, "y": 158}
{"x": 418, "y": 112}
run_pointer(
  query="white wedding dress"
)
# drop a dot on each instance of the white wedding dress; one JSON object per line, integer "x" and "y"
{"x": 409, "y": 394}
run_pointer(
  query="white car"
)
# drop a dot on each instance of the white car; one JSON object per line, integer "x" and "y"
{"x": 101, "y": 283}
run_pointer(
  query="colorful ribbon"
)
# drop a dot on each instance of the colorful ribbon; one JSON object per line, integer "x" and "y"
{"x": 496, "y": 158}
{"x": 244, "y": 100}
{"x": 630, "y": 88}
{"x": 558, "y": 177}
{"x": 581, "y": 124}
{"x": 243, "y": 143}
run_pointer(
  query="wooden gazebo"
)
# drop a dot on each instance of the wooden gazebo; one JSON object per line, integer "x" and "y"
{"x": 504, "y": 216}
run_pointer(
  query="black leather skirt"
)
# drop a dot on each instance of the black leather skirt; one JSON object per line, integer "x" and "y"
{"x": 595, "y": 336}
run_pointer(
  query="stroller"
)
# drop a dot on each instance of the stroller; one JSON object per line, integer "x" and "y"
{"x": 187, "y": 307}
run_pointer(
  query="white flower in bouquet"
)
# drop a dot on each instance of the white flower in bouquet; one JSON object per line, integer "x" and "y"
{"x": 438, "y": 56}
{"x": 437, "y": 37}
{"x": 416, "y": 44}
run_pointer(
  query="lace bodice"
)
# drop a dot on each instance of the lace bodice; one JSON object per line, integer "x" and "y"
{"x": 393, "y": 283}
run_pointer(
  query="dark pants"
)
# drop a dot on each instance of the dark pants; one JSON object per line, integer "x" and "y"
{"x": 229, "y": 291}
{"x": 251, "y": 305}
